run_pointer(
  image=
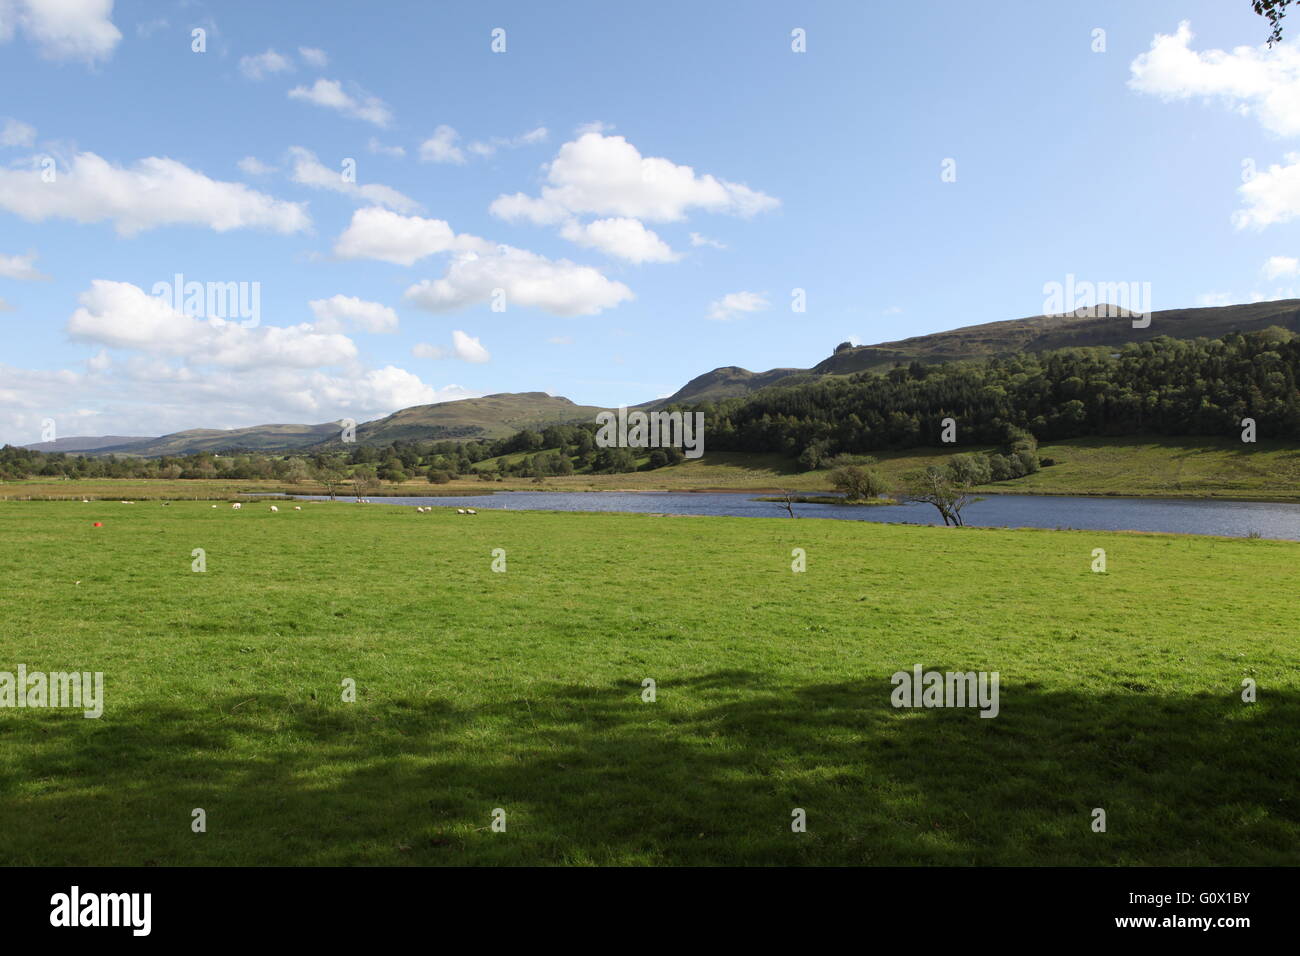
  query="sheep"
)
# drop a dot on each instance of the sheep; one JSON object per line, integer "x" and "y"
{"x": 214, "y": 506}
{"x": 85, "y": 501}
{"x": 297, "y": 507}
{"x": 237, "y": 505}
{"x": 460, "y": 511}
{"x": 274, "y": 508}
{"x": 470, "y": 511}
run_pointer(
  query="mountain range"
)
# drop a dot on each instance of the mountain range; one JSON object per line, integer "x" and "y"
{"x": 499, "y": 415}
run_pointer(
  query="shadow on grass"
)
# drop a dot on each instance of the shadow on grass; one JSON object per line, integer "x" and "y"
{"x": 710, "y": 773}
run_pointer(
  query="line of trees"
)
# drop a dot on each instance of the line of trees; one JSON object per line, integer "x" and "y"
{"x": 555, "y": 450}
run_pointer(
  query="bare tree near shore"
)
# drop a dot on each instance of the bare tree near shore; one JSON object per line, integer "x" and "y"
{"x": 936, "y": 486}
{"x": 787, "y": 497}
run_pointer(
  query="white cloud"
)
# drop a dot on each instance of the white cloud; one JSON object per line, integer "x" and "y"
{"x": 63, "y": 29}
{"x": 441, "y": 147}
{"x": 607, "y": 175}
{"x": 122, "y": 315}
{"x": 16, "y": 133}
{"x": 468, "y": 348}
{"x": 730, "y": 305}
{"x": 309, "y": 171}
{"x": 1272, "y": 196}
{"x": 1278, "y": 267}
{"x": 464, "y": 347}
{"x": 264, "y": 64}
{"x": 624, "y": 238}
{"x": 698, "y": 240}
{"x": 380, "y": 234}
{"x": 478, "y": 268}
{"x": 332, "y": 313}
{"x": 253, "y": 166}
{"x": 379, "y": 148}
{"x": 155, "y": 192}
{"x": 22, "y": 268}
{"x": 1255, "y": 81}
{"x": 538, "y": 135}
{"x": 524, "y": 278}
{"x": 329, "y": 94}
{"x": 148, "y": 396}
{"x": 314, "y": 57}
{"x": 561, "y": 340}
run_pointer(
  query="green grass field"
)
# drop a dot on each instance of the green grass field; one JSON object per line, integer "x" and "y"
{"x": 522, "y": 690}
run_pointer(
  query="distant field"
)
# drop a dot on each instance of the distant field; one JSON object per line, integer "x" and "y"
{"x": 522, "y": 690}
{"x": 1124, "y": 466}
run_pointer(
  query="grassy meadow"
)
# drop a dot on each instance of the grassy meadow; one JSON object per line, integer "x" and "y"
{"x": 522, "y": 690}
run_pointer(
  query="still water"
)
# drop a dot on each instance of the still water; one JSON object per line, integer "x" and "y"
{"x": 1180, "y": 516}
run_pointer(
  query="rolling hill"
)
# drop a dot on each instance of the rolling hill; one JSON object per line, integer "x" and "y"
{"x": 492, "y": 416}
{"x": 255, "y": 437}
{"x": 994, "y": 339}
{"x": 85, "y": 443}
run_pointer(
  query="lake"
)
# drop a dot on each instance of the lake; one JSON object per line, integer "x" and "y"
{"x": 1176, "y": 515}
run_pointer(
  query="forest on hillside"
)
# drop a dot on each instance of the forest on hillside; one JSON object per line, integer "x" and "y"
{"x": 1197, "y": 387}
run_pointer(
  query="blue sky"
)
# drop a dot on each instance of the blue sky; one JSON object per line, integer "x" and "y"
{"x": 641, "y": 187}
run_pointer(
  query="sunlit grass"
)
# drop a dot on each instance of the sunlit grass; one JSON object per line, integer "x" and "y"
{"x": 478, "y": 690}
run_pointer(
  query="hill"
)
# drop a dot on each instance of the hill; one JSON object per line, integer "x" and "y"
{"x": 1041, "y": 333}
{"x": 255, "y": 437}
{"x": 84, "y": 443}
{"x": 492, "y": 416}
{"x": 1037, "y": 333}
{"x": 726, "y": 382}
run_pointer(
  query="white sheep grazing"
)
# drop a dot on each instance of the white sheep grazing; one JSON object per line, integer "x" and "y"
{"x": 470, "y": 511}
{"x": 460, "y": 511}
{"x": 85, "y": 501}
{"x": 274, "y": 508}
{"x": 214, "y": 506}
{"x": 237, "y": 505}
{"x": 297, "y": 507}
